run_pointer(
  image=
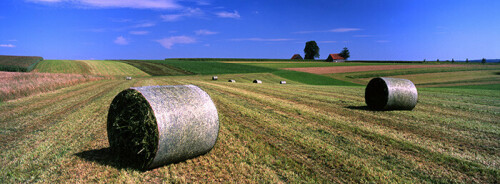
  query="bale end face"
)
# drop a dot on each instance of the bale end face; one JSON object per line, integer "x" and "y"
{"x": 391, "y": 94}
{"x": 132, "y": 128}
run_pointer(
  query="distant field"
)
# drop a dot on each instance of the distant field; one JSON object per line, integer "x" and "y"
{"x": 212, "y": 67}
{"x": 105, "y": 68}
{"x": 18, "y": 63}
{"x": 350, "y": 68}
{"x": 297, "y": 64}
{"x": 453, "y": 78}
{"x": 368, "y": 74}
{"x": 270, "y": 133}
{"x": 156, "y": 68}
{"x": 430, "y": 76}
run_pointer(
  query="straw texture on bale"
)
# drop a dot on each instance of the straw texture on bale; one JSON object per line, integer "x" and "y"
{"x": 214, "y": 78}
{"x": 231, "y": 80}
{"x": 157, "y": 125}
{"x": 282, "y": 82}
{"x": 257, "y": 81}
{"x": 391, "y": 94}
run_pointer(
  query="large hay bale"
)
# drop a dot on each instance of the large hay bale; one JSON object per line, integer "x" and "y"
{"x": 214, "y": 78}
{"x": 282, "y": 82}
{"x": 156, "y": 125}
{"x": 391, "y": 94}
{"x": 128, "y": 78}
{"x": 257, "y": 81}
{"x": 231, "y": 80}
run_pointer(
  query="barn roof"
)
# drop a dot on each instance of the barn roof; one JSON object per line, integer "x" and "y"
{"x": 296, "y": 56}
{"x": 335, "y": 56}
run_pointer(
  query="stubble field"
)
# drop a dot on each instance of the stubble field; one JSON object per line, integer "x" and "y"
{"x": 269, "y": 133}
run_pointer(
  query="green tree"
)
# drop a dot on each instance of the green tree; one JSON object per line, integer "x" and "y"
{"x": 424, "y": 60}
{"x": 467, "y": 60}
{"x": 345, "y": 53}
{"x": 437, "y": 60}
{"x": 452, "y": 60}
{"x": 311, "y": 50}
{"x": 483, "y": 60}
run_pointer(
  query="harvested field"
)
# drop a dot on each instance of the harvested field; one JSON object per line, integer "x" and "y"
{"x": 346, "y": 69}
{"x": 18, "y": 84}
{"x": 274, "y": 133}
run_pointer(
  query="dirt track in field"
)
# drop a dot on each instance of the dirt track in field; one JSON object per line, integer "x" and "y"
{"x": 345, "y": 69}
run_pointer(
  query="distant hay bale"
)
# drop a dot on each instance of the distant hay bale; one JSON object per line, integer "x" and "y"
{"x": 282, "y": 82}
{"x": 257, "y": 81}
{"x": 231, "y": 80}
{"x": 128, "y": 78}
{"x": 156, "y": 125}
{"x": 214, "y": 77}
{"x": 391, "y": 94}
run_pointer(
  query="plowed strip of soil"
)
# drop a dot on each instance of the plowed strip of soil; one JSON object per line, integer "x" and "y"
{"x": 345, "y": 69}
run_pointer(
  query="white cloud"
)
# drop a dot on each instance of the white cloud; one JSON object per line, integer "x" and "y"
{"x": 171, "y": 41}
{"x": 205, "y": 32}
{"x": 121, "y": 40}
{"x": 341, "y": 30}
{"x": 139, "y": 32}
{"x": 46, "y": 1}
{"x": 262, "y": 39}
{"x": 337, "y": 30}
{"x": 362, "y": 36}
{"x": 141, "y": 25}
{"x": 13, "y": 40}
{"x": 137, "y": 4}
{"x": 327, "y": 41}
{"x": 234, "y": 15}
{"x": 189, "y": 12}
{"x": 7, "y": 45}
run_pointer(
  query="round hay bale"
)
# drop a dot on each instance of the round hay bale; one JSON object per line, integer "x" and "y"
{"x": 391, "y": 94}
{"x": 231, "y": 80}
{"x": 128, "y": 78}
{"x": 282, "y": 82}
{"x": 156, "y": 125}
{"x": 257, "y": 81}
{"x": 214, "y": 77}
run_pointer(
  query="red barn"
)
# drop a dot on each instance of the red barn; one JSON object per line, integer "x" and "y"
{"x": 335, "y": 58}
{"x": 297, "y": 56}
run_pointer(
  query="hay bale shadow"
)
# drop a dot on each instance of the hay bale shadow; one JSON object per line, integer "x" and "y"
{"x": 364, "y": 107}
{"x": 108, "y": 157}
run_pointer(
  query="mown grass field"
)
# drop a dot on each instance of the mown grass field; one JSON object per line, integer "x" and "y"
{"x": 269, "y": 133}
{"x": 92, "y": 67}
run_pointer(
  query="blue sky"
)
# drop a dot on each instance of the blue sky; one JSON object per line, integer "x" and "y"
{"x": 158, "y": 29}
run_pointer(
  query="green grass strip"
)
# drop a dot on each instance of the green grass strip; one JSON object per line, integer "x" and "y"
{"x": 210, "y": 67}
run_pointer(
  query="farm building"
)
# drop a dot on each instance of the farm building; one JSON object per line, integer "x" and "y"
{"x": 335, "y": 58}
{"x": 297, "y": 56}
